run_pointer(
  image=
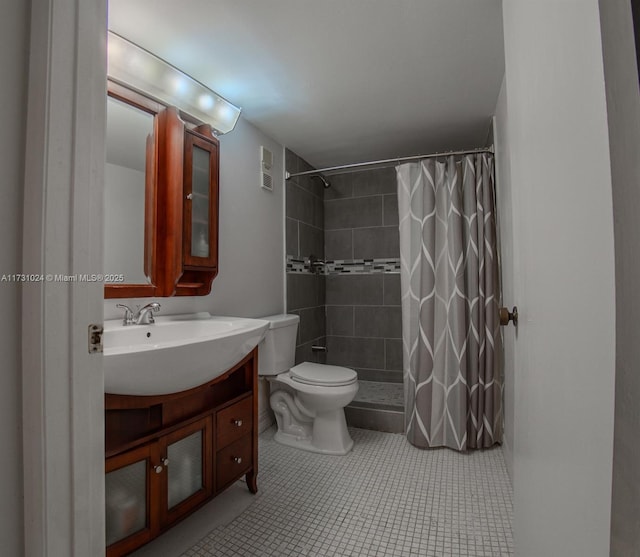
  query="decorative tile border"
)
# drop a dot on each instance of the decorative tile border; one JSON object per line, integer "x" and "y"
{"x": 363, "y": 266}
{"x": 295, "y": 265}
{"x": 343, "y": 266}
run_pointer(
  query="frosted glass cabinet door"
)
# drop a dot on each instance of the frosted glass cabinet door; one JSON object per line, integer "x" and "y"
{"x": 127, "y": 497}
{"x": 189, "y": 479}
{"x": 200, "y": 245}
{"x": 185, "y": 474}
{"x": 200, "y": 222}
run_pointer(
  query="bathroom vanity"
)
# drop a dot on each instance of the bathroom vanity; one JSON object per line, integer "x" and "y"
{"x": 181, "y": 394}
{"x": 166, "y": 455}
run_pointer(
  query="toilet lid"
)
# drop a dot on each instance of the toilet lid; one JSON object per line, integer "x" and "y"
{"x": 320, "y": 374}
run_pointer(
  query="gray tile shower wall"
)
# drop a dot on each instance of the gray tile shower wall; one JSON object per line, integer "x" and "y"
{"x": 305, "y": 237}
{"x": 364, "y": 323}
{"x": 361, "y": 215}
{"x": 356, "y": 316}
{"x": 304, "y": 210}
{"x": 305, "y": 297}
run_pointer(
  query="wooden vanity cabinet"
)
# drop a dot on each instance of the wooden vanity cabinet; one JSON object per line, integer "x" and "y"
{"x": 188, "y": 179}
{"x": 168, "y": 455}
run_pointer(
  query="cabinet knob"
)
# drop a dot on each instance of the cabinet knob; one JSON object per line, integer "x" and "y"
{"x": 237, "y": 423}
{"x": 157, "y": 469}
{"x": 237, "y": 460}
{"x": 165, "y": 461}
{"x": 189, "y": 196}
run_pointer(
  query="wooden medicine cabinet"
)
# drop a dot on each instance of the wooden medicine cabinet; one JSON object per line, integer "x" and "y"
{"x": 161, "y": 200}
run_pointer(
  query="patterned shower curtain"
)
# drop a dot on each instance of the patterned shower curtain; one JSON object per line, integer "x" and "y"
{"x": 452, "y": 343}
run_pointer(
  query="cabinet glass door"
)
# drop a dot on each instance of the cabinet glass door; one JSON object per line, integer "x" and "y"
{"x": 185, "y": 473}
{"x": 200, "y": 184}
{"x": 200, "y": 203}
{"x": 188, "y": 452}
{"x": 128, "y": 498}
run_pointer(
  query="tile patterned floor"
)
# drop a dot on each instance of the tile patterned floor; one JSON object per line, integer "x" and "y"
{"x": 384, "y": 499}
{"x": 379, "y": 394}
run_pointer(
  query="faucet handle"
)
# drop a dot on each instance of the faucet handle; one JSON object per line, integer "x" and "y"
{"x": 128, "y": 314}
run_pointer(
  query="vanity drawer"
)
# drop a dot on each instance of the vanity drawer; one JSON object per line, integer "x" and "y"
{"x": 234, "y": 422}
{"x": 233, "y": 461}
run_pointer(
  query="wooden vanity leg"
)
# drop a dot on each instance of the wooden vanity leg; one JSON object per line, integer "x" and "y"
{"x": 252, "y": 481}
{"x": 252, "y": 475}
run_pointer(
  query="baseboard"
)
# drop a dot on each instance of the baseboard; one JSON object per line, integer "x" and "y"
{"x": 265, "y": 421}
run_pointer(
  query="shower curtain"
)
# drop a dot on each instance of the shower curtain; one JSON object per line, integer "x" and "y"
{"x": 452, "y": 343}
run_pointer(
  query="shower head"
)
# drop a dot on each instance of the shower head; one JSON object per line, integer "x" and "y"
{"x": 324, "y": 181}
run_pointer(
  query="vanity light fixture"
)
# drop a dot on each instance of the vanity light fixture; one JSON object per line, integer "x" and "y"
{"x": 143, "y": 71}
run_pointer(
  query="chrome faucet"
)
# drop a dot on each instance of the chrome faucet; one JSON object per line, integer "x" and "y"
{"x": 142, "y": 316}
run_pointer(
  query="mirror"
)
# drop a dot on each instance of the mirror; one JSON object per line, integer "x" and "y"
{"x": 128, "y": 131}
{"x": 129, "y": 194}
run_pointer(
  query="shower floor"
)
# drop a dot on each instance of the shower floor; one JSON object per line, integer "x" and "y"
{"x": 378, "y": 406}
{"x": 376, "y": 394}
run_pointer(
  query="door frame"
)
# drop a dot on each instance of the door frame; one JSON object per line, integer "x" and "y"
{"x": 62, "y": 384}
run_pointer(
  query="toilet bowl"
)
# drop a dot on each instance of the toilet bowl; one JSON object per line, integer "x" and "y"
{"x": 307, "y": 399}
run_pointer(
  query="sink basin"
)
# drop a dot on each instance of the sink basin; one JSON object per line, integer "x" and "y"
{"x": 176, "y": 353}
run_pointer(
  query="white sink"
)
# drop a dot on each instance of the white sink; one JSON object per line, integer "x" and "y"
{"x": 176, "y": 353}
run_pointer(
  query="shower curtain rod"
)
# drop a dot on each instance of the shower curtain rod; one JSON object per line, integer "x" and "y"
{"x": 387, "y": 162}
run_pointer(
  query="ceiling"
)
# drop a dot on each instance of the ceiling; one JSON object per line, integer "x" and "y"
{"x": 337, "y": 81}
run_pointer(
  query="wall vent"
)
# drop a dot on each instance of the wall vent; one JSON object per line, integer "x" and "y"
{"x": 267, "y": 181}
{"x": 266, "y": 165}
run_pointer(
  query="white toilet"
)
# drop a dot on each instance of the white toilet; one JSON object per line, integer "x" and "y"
{"x": 308, "y": 399}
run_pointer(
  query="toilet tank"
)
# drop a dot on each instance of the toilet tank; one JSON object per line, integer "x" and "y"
{"x": 277, "y": 351}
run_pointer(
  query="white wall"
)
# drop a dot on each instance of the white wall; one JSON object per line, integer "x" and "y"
{"x": 124, "y": 199}
{"x": 250, "y": 282}
{"x": 506, "y": 232}
{"x": 13, "y": 62}
{"x": 562, "y": 212}
{"x": 623, "y": 105}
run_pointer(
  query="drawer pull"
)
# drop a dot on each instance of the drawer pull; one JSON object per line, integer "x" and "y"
{"x": 237, "y": 460}
{"x": 237, "y": 423}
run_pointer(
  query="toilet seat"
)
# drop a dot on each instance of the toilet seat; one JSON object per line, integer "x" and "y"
{"x": 323, "y": 375}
